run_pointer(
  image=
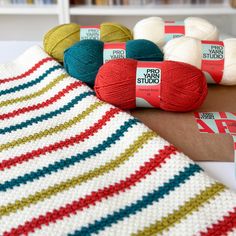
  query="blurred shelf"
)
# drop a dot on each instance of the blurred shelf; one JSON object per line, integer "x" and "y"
{"x": 63, "y": 11}
{"x": 153, "y": 10}
{"x": 24, "y": 9}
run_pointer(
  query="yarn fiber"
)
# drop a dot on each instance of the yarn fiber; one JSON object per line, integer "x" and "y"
{"x": 183, "y": 86}
{"x": 188, "y": 50}
{"x": 84, "y": 59}
{"x": 73, "y": 165}
{"x": 61, "y": 37}
{"x": 153, "y": 28}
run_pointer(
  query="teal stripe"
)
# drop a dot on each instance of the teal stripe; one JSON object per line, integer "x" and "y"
{"x": 30, "y": 83}
{"x": 60, "y": 165}
{"x": 144, "y": 202}
{"x": 48, "y": 115}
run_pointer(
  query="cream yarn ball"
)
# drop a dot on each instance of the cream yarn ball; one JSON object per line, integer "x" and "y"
{"x": 189, "y": 50}
{"x": 153, "y": 29}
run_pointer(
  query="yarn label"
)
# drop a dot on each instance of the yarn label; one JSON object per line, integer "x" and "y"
{"x": 113, "y": 51}
{"x": 174, "y": 29}
{"x": 90, "y": 32}
{"x": 148, "y": 81}
{"x": 216, "y": 122}
{"x": 213, "y": 56}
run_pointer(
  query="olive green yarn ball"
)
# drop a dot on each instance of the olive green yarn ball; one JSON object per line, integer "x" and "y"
{"x": 114, "y": 32}
{"x": 60, "y": 38}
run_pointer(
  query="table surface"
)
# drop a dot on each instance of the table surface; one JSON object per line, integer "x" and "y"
{"x": 221, "y": 171}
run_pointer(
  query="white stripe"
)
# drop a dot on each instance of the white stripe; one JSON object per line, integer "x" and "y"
{"x": 22, "y": 63}
{"x": 108, "y": 206}
{"x": 51, "y": 107}
{"x": 61, "y": 199}
{"x": 232, "y": 233}
{"x": 161, "y": 208}
{"x": 74, "y": 170}
{"x": 41, "y": 70}
{"x": 56, "y": 137}
{"x": 38, "y": 99}
{"x": 49, "y": 123}
{"x": 93, "y": 141}
{"x": 49, "y": 78}
{"x": 32, "y": 114}
{"x": 210, "y": 212}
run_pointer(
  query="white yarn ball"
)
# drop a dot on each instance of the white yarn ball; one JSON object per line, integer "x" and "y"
{"x": 200, "y": 28}
{"x": 229, "y": 76}
{"x": 153, "y": 29}
{"x": 189, "y": 50}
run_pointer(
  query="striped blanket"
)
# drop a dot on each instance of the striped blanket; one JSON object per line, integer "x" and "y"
{"x": 71, "y": 164}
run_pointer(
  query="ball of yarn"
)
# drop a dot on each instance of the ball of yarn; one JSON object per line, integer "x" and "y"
{"x": 84, "y": 58}
{"x": 183, "y": 86}
{"x": 189, "y": 50}
{"x": 114, "y": 32}
{"x": 143, "y": 50}
{"x": 58, "y": 39}
{"x": 152, "y": 28}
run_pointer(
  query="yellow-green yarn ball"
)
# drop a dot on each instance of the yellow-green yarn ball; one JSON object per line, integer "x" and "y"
{"x": 114, "y": 32}
{"x": 58, "y": 39}
{"x": 61, "y": 37}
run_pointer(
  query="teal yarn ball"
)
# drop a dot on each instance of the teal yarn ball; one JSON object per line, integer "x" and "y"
{"x": 83, "y": 59}
{"x": 143, "y": 50}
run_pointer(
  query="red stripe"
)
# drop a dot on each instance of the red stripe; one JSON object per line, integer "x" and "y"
{"x": 150, "y": 64}
{"x": 90, "y": 27}
{"x": 60, "y": 145}
{"x": 116, "y": 45}
{"x": 222, "y": 227}
{"x": 174, "y": 29}
{"x": 220, "y": 43}
{"x": 94, "y": 197}
{"x": 30, "y": 71}
{"x": 223, "y": 115}
{"x": 46, "y": 103}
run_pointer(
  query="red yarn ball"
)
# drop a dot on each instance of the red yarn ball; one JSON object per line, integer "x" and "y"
{"x": 183, "y": 86}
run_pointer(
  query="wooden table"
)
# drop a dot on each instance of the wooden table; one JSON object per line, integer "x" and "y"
{"x": 181, "y": 129}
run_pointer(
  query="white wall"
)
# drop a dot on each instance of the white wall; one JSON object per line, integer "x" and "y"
{"x": 25, "y": 27}
{"x": 34, "y": 27}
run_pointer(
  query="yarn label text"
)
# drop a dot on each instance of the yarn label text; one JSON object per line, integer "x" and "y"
{"x": 148, "y": 80}
{"x": 212, "y": 52}
{"x": 113, "y": 51}
{"x": 213, "y": 60}
{"x": 174, "y": 29}
{"x": 90, "y": 32}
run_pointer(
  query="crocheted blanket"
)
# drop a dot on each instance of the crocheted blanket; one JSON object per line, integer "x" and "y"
{"x": 71, "y": 164}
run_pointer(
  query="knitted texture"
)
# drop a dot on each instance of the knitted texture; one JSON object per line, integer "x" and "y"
{"x": 73, "y": 165}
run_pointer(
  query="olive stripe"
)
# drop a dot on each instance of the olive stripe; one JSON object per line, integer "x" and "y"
{"x": 36, "y": 94}
{"x": 48, "y": 115}
{"x": 140, "y": 204}
{"x": 67, "y": 162}
{"x": 31, "y": 82}
{"x": 188, "y": 208}
{"x": 70, "y": 183}
{"x": 52, "y": 130}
